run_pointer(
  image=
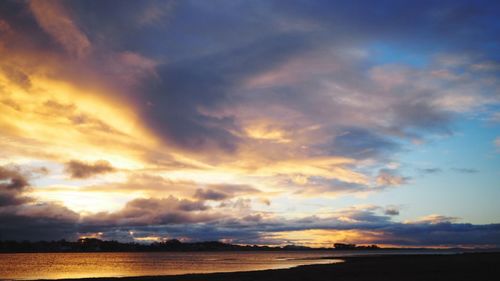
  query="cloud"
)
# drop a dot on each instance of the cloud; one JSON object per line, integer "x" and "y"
{"x": 130, "y": 68}
{"x": 486, "y": 66}
{"x": 389, "y": 178}
{"x": 153, "y": 211}
{"x": 217, "y": 76}
{"x": 317, "y": 99}
{"x": 12, "y": 186}
{"x": 12, "y": 179}
{"x": 293, "y": 102}
{"x": 155, "y": 12}
{"x": 220, "y": 192}
{"x": 235, "y": 189}
{"x": 430, "y": 170}
{"x": 9, "y": 198}
{"x": 171, "y": 217}
{"x": 55, "y": 20}
{"x": 33, "y": 112}
{"x": 362, "y": 143}
{"x": 40, "y": 221}
{"x": 22, "y": 218}
{"x": 207, "y": 194}
{"x": 361, "y": 225}
{"x": 82, "y": 170}
{"x": 151, "y": 184}
{"x": 441, "y": 234}
{"x": 465, "y": 170}
{"x": 436, "y": 219}
{"x": 495, "y": 117}
{"x": 5, "y": 27}
{"x": 17, "y": 76}
{"x": 392, "y": 211}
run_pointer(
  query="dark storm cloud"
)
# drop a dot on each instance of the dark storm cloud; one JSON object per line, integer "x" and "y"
{"x": 82, "y": 170}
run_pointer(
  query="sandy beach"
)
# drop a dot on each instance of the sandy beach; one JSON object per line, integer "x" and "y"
{"x": 470, "y": 266}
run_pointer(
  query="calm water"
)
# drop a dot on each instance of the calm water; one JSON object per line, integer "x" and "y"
{"x": 79, "y": 265}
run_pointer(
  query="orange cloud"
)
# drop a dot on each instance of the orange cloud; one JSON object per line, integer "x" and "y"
{"x": 326, "y": 237}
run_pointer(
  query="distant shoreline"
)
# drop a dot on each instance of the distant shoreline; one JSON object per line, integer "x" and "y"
{"x": 258, "y": 250}
{"x": 467, "y": 266}
{"x": 96, "y": 245}
{"x": 372, "y": 252}
{"x": 172, "y": 245}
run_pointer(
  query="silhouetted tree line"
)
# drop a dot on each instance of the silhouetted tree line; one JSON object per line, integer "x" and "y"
{"x": 97, "y": 245}
{"x": 342, "y": 246}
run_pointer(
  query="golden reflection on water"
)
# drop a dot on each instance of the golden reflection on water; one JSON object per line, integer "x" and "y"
{"x": 80, "y": 265}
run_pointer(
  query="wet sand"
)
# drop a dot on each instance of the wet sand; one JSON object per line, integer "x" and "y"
{"x": 470, "y": 266}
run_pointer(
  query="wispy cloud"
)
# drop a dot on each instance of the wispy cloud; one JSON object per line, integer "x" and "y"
{"x": 430, "y": 170}
{"x": 465, "y": 170}
{"x": 55, "y": 20}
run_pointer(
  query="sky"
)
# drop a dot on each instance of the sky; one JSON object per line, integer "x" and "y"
{"x": 251, "y": 122}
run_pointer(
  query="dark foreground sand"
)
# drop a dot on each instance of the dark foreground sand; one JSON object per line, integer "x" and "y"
{"x": 471, "y": 267}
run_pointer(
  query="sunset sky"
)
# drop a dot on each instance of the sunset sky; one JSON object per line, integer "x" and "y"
{"x": 251, "y": 122}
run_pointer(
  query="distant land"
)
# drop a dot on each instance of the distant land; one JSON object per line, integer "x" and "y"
{"x": 97, "y": 245}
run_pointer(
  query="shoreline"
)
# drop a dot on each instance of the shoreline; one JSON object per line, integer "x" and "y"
{"x": 396, "y": 251}
{"x": 464, "y": 266}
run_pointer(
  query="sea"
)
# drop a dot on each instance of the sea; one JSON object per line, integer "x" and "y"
{"x": 29, "y": 266}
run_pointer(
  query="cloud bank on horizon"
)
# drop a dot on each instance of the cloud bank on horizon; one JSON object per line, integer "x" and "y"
{"x": 253, "y": 122}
